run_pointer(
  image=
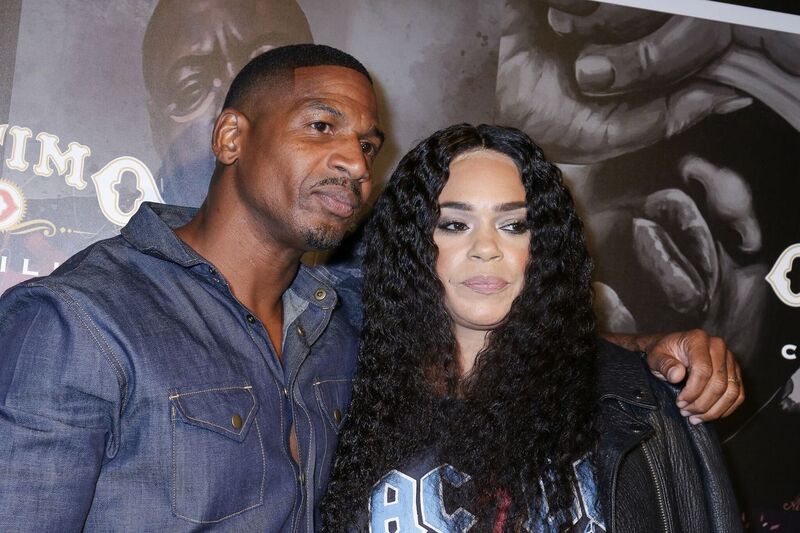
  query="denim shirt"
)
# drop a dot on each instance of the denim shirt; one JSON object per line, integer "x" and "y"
{"x": 138, "y": 394}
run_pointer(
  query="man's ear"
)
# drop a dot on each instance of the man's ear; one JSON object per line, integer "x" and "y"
{"x": 227, "y": 136}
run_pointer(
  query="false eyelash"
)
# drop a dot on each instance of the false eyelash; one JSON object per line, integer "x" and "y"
{"x": 442, "y": 225}
{"x": 523, "y": 227}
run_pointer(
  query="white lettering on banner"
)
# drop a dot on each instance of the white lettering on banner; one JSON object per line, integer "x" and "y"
{"x": 75, "y": 155}
{"x": 71, "y": 164}
{"x": 20, "y": 136}
{"x": 26, "y": 271}
{"x": 6, "y": 261}
{"x": 789, "y": 351}
{"x": 110, "y": 176}
{"x": 778, "y": 277}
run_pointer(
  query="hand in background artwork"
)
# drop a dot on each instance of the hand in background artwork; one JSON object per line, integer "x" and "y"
{"x": 594, "y": 81}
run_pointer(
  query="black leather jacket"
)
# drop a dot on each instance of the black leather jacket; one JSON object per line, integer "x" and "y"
{"x": 656, "y": 472}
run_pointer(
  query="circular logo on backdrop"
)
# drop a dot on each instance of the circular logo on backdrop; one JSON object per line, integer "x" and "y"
{"x": 12, "y": 205}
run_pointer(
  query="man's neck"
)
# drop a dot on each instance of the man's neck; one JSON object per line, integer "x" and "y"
{"x": 257, "y": 268}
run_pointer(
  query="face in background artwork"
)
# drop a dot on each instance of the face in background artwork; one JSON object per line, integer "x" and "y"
{"x": 191, "y": 52}
{"x": 483, "y": 239}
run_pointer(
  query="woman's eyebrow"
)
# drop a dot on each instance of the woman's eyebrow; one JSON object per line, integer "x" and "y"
{"x": 463, "y": 206}
{"x": 510, "y": 206}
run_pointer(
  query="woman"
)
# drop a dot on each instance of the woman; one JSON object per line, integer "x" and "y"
{"x": 484, "y": 400}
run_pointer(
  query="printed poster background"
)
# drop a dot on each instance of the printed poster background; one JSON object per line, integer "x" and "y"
{"x": 686, "y": 171}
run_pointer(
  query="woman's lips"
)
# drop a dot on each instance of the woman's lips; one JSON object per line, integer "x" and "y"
{"x": 485, "y": 284}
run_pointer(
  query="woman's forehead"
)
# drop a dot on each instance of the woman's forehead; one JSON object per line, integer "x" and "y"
{"x": 482, "y": 153}
{"x": 483, "y": 175}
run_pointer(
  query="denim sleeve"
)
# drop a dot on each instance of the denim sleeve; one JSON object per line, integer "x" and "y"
{"x": 60, "y": 400}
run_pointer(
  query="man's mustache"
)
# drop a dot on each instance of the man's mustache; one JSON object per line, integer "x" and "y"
{"x": 347, "y": 183}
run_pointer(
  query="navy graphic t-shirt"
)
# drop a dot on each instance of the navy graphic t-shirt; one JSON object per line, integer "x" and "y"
{"x": 414, "y": 501}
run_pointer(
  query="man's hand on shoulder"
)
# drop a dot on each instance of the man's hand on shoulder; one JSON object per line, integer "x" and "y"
{"x": 713, "y": 386}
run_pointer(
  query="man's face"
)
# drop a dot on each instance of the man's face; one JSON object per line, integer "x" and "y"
{"x": 192, "y": 51}
{"x": 306, "y": 156}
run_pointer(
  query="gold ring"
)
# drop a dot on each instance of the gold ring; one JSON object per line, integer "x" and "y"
{"x": 733, "y": 380}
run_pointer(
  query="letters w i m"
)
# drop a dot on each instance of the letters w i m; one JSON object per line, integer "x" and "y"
{"x": 71, "y": 164}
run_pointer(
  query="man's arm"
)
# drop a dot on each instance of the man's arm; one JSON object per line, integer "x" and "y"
{"x": 714, "y": 385}
{"x": 57, "y": 399}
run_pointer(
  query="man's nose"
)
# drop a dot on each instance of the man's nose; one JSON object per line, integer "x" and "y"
{"x": 349, "y": 159}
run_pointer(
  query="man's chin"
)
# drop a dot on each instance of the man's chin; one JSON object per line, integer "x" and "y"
{"x": 322, "y": 239}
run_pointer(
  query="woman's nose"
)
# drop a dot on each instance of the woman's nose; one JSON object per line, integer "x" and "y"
{"x": 484, "y": 246}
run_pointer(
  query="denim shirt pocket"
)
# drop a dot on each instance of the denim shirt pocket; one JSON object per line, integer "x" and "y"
{"x": 333, "y": 398}
{"x": 218, "y": 460}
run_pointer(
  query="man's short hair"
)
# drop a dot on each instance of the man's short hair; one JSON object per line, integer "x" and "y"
{"x": 263, "y": 69}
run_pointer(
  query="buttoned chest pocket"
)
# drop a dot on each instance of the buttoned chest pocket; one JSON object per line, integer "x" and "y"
{"x": 218, "y": 461}
{"x": 333, "y": 398}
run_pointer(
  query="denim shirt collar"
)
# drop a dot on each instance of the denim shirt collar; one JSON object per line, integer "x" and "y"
{"x": 151, "y": 231}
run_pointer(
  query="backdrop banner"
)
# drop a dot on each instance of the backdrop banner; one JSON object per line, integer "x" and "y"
{"x": 679, "y": 137}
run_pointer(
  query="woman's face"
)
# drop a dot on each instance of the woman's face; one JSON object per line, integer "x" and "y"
{"x": 483, "y": 239}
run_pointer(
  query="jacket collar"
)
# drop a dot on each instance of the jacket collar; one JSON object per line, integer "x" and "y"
{"x": 623, "y": 376}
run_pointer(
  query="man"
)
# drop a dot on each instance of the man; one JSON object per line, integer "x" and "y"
{"x": 191, "y": 372}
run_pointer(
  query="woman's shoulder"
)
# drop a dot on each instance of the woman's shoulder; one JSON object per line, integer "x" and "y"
{"x": 624, "y": 375}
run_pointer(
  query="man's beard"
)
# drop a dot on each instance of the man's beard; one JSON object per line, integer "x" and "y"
{"x": 323, "y": 237}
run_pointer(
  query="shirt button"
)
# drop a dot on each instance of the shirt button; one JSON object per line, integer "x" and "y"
{"x": 320, "y": 294}
{"x": 212, "y": 271}
{"x": 337, "y": 415}
{"x": 251, "y": 319}
{"x": 301, "y": 331}
{"x": 285, "y": 392}
{"x": 236, "y": 421}
{"x": 301, "y": 478}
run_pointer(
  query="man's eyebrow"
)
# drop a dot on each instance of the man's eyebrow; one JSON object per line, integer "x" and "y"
{"x": 375, "y": 131}
{"x": 328, "y": 109}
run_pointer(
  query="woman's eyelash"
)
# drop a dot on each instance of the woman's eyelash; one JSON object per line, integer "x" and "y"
{"x": 520, "y": 226}
{"x": 451, "y": 225}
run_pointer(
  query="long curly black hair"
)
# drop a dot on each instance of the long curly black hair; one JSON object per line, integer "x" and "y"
{"x": 525, "y": 412}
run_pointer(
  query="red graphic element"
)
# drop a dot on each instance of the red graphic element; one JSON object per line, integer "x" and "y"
{"x": 8, "y": 206}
